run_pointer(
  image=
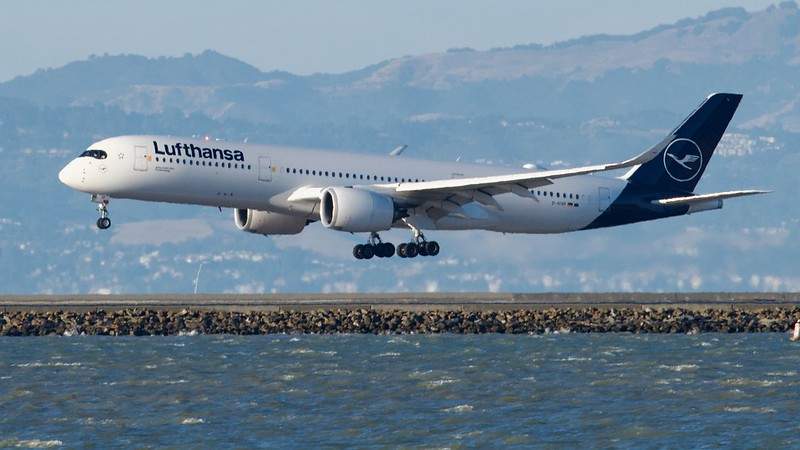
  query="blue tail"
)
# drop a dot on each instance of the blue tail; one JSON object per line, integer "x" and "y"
{"x": 685, "y": 152}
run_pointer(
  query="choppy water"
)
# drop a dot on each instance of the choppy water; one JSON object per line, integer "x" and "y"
{"x": 444, "y": 391}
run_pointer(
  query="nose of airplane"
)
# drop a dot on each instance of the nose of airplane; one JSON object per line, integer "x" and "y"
{"x": 70, "y": 175}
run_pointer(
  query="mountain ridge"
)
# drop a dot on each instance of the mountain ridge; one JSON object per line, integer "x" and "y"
{"x": 614, "y": 104}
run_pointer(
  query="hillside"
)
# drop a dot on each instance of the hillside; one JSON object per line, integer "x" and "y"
{"x": 590, "y": 100}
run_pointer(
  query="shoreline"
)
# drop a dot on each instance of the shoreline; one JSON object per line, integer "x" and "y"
{"x": 462, "y": 313}
{"x": 444, "y": 301}
{"x": 164, "y": 322}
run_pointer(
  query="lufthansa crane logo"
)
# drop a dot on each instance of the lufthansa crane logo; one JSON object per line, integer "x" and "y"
{"x": 683, "y": 159}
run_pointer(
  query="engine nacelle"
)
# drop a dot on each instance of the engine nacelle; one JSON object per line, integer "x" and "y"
{"x": 266, "y": 223}
{"x": 355, "y": 210}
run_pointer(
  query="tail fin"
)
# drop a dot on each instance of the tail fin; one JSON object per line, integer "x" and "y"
{"x": 684, "y": 153}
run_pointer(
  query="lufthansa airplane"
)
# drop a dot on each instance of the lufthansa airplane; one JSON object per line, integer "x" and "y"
{"x": 280, "y": 190}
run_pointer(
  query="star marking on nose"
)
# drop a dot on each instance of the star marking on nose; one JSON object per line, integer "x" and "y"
{"x": 121, "y": 155}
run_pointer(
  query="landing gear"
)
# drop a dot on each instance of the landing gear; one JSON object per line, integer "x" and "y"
{"x": 375, "y": 247}
{"x": 102, "y": 202}
{"x": 418, "y": 246}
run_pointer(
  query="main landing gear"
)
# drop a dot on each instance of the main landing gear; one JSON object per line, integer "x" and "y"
{"x": 102, "y": 203}
{"x": 375, "y": 247}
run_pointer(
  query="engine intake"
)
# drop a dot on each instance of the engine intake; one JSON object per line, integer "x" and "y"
{"x": 266, "y": 223}
{"x": 356, "y": 210}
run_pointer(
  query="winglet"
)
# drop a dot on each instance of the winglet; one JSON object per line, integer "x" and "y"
{"x": 641, "y": 159}
{"x": 397, "y": 150}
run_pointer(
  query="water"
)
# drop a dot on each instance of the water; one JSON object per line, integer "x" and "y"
{"x": 433, "y": 391}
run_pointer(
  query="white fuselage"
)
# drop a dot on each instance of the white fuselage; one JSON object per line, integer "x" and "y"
{"x": 261, "y": 177}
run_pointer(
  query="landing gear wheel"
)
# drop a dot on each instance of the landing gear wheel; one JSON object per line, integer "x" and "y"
{"x": 431, "y": 248}
{"x": 364, "y": 251}
{"x": 103, "y": 223}
{"x": 401, "y": 250}
{"x": 384, "y": 250}
{"x": 367, "y": 251}
{"x": 102, "y": 206}
{"x": 412, "y": 250}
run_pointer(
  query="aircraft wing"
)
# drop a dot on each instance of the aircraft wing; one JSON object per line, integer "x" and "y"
{"x": 516, "y": 182}
{"x": 697, "y": 199}
{"x": 441, "y": 197}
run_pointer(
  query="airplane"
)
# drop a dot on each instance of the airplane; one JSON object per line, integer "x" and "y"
{"x": 277, "y": 190}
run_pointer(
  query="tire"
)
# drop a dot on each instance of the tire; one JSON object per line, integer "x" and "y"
{"x": 358, "y": 251}
{"x": 388, "y": 249}
{"x": 432, "y": 248}
{"x": 401, "y": 250}
{"x": 412, "y": 250}
{"x": 367, "y": 251}
{"x": 104, "y": 223}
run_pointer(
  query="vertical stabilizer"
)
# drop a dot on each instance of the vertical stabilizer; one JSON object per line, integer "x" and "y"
{"x": 685, "y": 152}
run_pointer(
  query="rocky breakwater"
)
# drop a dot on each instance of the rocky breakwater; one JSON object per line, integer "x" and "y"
{"x": 146, "y": 322}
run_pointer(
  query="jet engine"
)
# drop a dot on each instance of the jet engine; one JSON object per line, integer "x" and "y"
{"x": 356, "y": 210}
{"x": 266, "y": 223}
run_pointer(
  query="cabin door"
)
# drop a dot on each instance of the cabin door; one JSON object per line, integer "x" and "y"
{"x": 264, "y": 168}
{"x": 140, "y": 158}
{"x": 604, "y": 196}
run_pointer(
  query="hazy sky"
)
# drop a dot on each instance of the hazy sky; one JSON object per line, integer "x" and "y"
{"x": 306, "y": 36}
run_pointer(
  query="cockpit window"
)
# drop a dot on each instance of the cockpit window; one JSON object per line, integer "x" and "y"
{"x": 96, "y": 154}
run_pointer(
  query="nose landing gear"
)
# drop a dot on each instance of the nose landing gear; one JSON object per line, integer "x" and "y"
{"x": 102, "y": 203}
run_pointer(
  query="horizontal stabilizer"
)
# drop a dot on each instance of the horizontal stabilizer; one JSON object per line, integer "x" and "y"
{"x": 697, "y": 199}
